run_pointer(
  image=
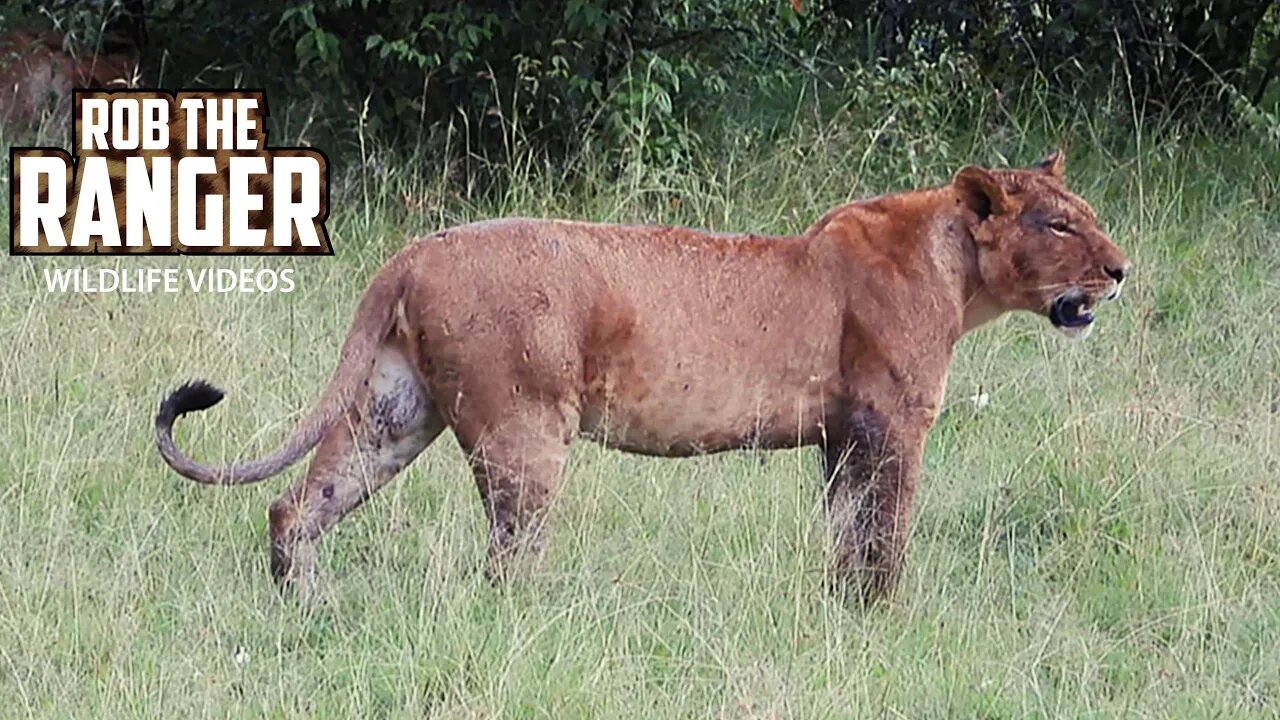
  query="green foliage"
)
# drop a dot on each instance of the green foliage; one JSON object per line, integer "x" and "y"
{"x": 633, "y": 79}
{"x": 547, "y": 71}
{"x": 1166, "y": 53}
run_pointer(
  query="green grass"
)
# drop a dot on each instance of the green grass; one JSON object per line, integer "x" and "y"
{"x": 1101, "y": 540}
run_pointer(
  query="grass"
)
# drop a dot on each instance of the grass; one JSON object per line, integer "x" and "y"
{"x": 1100, "y": 540}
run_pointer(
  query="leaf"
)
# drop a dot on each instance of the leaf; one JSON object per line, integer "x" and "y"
{"x": 305, "y": 50}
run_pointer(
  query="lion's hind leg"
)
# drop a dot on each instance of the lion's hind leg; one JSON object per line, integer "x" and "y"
{"x": 390, "y": 424}
{"x": 517, "y": 460}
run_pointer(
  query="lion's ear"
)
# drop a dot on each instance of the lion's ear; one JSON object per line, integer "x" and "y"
{"x": 1055, "y": 165}
{"x": 981, "y": 192}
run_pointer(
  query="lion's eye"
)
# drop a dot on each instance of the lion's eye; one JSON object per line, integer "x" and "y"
{"x": 1060, "y": 227}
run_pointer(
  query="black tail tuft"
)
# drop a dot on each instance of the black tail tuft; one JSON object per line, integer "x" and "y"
{"x": 189, "y": 397}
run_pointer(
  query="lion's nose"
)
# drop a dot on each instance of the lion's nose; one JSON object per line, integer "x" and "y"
{"x": 1116, "y": 272}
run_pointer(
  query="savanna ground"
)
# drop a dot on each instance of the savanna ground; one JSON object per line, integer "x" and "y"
{"x": 1100, "y": 539}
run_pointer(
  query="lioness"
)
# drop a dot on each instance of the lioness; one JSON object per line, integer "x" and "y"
{"x": 37, "y": 74}
{"x": 521, "y": 335}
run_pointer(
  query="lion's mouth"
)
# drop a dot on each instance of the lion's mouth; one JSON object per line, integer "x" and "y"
{"x": 1071, "y": 310}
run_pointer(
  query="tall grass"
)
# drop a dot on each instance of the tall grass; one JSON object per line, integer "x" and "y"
{"x": 1099, "y": 540}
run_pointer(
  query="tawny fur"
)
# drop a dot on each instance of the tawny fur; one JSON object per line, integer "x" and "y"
{"x": 521, "y": 335}
{"x": 37, "y": 75}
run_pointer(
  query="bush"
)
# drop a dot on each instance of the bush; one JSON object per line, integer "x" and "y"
{"x": 634, "y": 78}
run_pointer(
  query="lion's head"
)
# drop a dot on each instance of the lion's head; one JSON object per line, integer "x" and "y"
{"x": 1039, "y": 245}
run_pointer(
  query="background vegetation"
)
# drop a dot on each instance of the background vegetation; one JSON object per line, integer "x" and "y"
{"x": 1097, "y": 530}
{"x": 568, "y": 73}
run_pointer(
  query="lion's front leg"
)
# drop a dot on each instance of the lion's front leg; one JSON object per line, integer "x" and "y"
{"x": 870, "y": 473}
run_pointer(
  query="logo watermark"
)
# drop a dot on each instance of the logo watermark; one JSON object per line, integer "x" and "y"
{"x": 168, "y": 280}
{"x": 156, "y": 173}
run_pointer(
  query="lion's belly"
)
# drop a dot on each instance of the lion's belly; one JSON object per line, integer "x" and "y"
{"x": 681, "y": 429}
{"x": 700, "y": 405}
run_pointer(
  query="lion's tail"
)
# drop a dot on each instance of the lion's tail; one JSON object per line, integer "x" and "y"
{"x": 373, "y": 322}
